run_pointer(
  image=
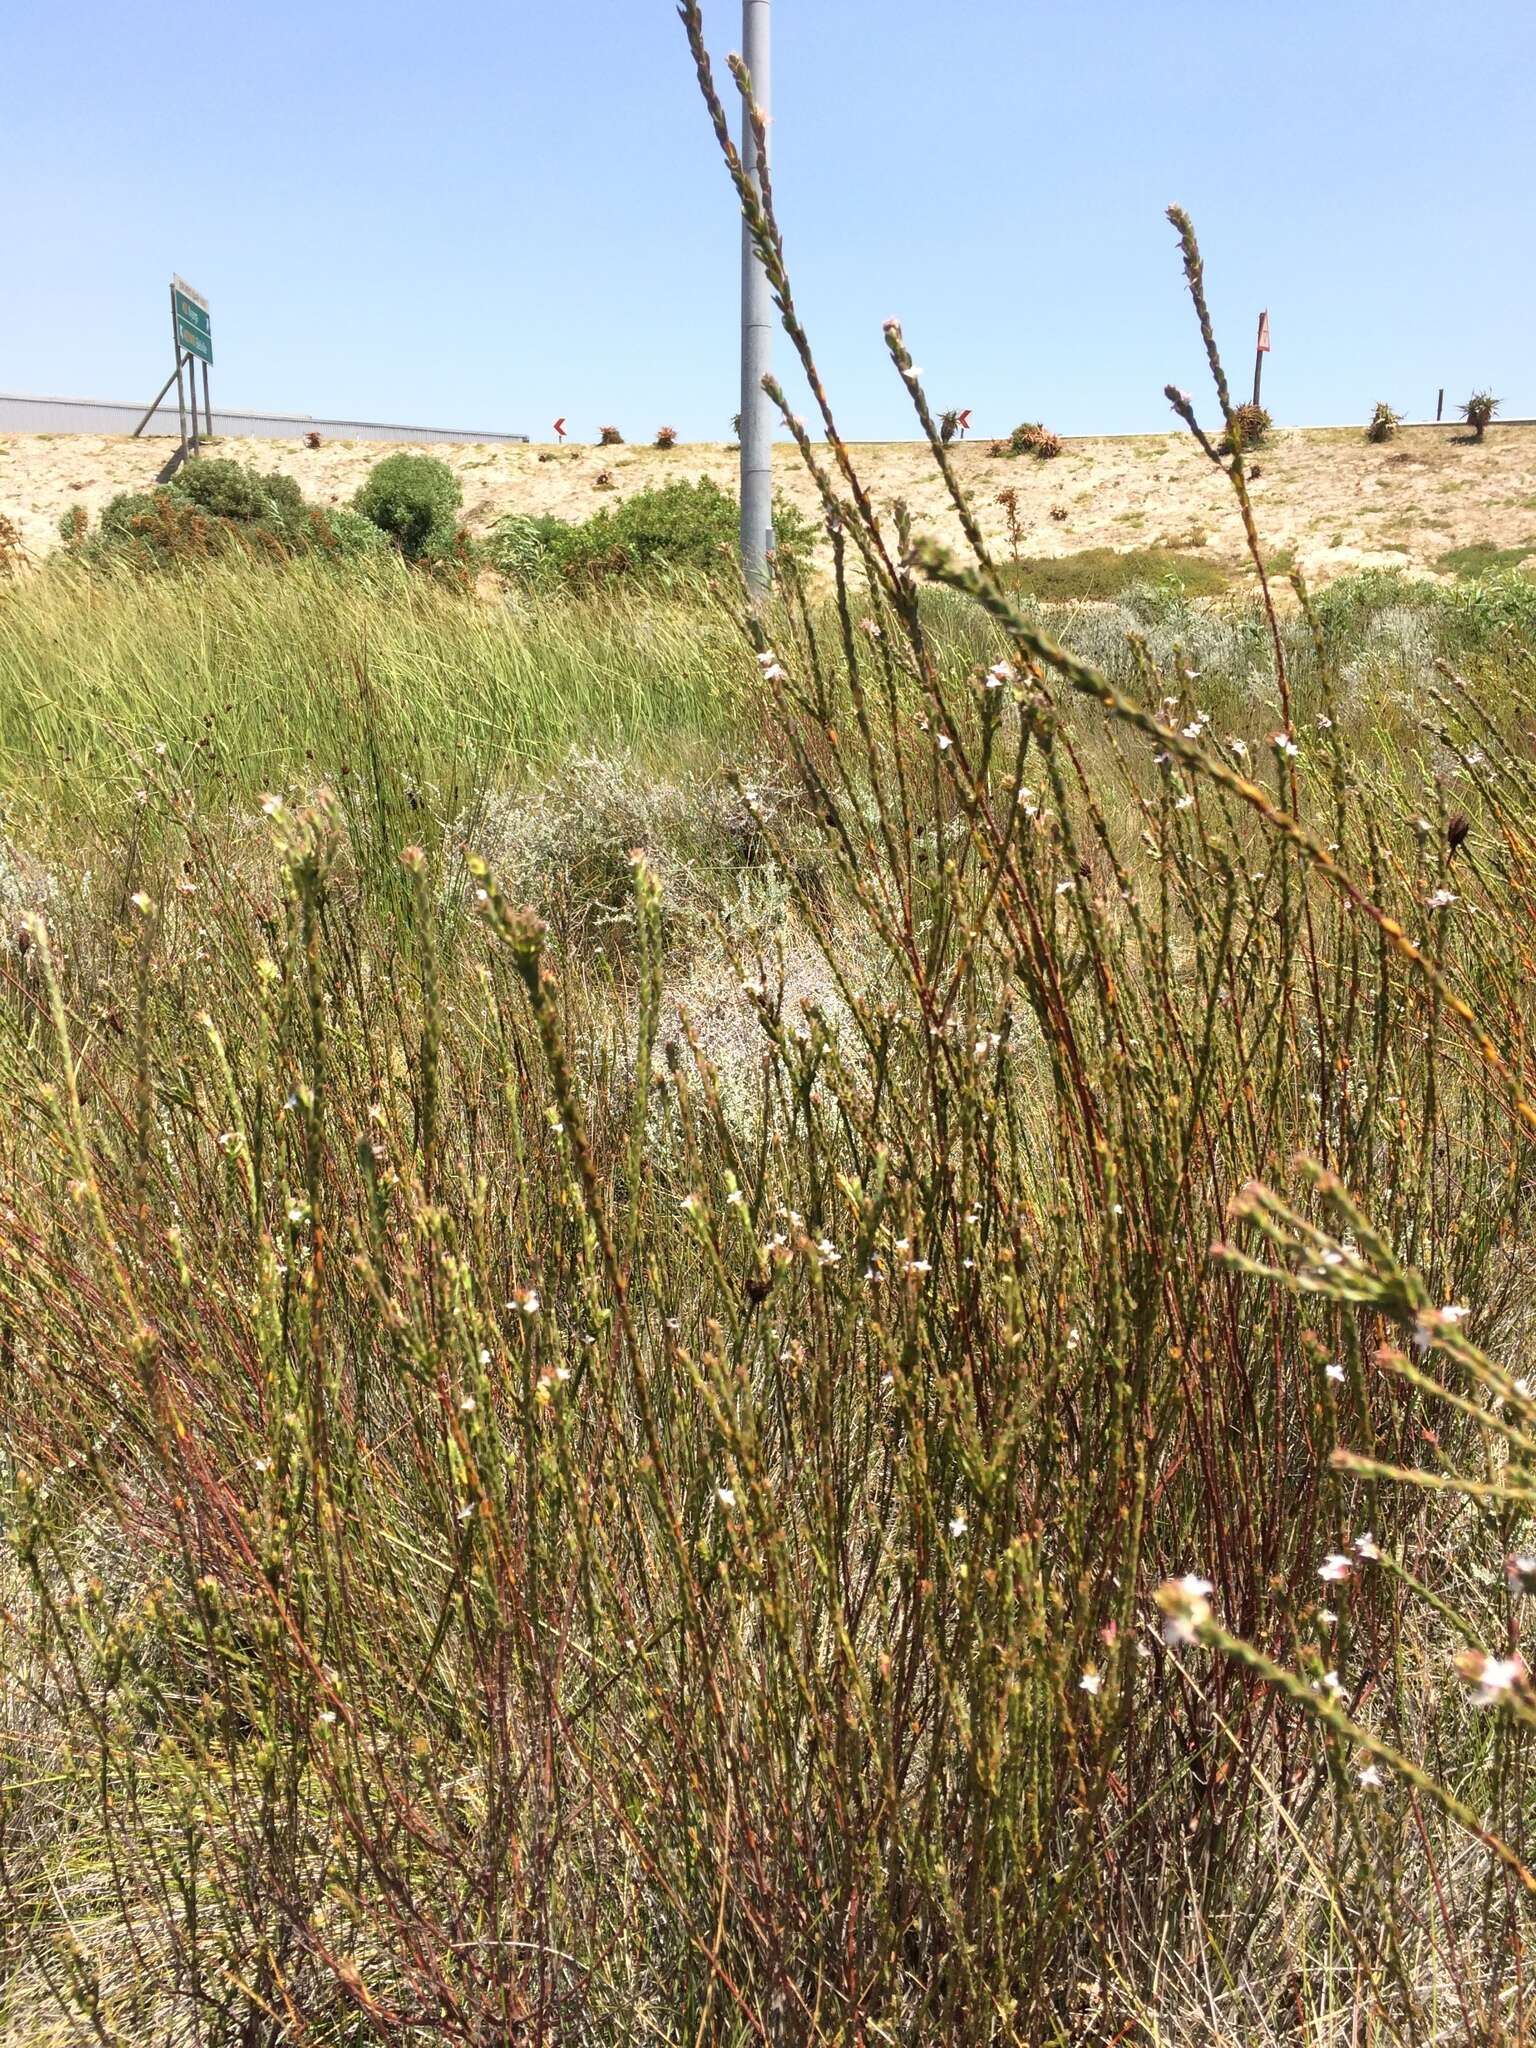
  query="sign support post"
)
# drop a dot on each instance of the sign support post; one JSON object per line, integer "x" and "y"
{"x": 181, "y": 403}
{"x": 1259, "y": 354}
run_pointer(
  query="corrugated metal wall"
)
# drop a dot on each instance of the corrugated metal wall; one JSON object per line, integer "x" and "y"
{"x": 22, "y": 415}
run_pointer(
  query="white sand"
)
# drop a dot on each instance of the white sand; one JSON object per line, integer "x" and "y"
{"x": 1326, "y": 495}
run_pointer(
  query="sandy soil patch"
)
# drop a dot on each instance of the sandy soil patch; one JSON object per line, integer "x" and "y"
{"x": 1324, "y": 495}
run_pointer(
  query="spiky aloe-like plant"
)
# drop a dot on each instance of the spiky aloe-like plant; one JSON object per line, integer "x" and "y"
{"x": 1031, "y": 438}
{"x": 1478, "y": 412}
{"x": 1384, "y": 423}
{"x": 1252, "y": 424}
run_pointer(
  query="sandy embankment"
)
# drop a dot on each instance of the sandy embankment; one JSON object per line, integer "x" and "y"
{"x": 1326, "y": 495}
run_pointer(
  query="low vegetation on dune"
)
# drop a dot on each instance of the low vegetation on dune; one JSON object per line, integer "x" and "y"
{"x": 731, "y": 1324}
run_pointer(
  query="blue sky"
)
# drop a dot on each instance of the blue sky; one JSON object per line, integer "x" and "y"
{"x": 501, "y": 210}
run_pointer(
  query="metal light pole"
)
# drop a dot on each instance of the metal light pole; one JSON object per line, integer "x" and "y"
{"x": 756, "y": 325}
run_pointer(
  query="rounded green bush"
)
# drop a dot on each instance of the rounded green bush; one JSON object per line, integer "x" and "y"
{"x": 414, "y": 499}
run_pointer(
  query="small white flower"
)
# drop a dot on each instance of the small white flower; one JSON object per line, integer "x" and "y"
{"x": 828, "y": 1252}
{"x": 958, "y": 1527}
{"x": 1369, "y": 1779}
{"x": 1063, "y": 887}
{"x": 1186, "y": 803}
{"x": 726, "y": 1495}
{"x": 1239, "y": 747}
{"x": 1442, "y": 899}
{"x": 467, "y": 1405}
{"x": 1367, "y": 1547}
{"x": 1335, "y": 1568}
{"x": 945, "y": 742}
{"x": 1000, "y": 674}
{"x": 1521, "y": 1574}
{"x": 1332, "y": 1684}
{"x": 1333, "y": 1369}
{"x": 1284, "y": 744}
{"x": 1091, "y": 1681}
{"x": 1185, "y": 1607}
{"x": 1492, "y": 1678}
{"x": 1327, "y": 1616}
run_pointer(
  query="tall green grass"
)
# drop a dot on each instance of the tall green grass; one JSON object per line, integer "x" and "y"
{"x": 290, "y": 671}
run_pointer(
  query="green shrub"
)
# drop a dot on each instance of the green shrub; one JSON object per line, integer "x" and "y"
{"x": 153, "y": 529}
{"x": 224, "y": 490}
{"x": 679, "y": 527}
{"x": 1107, "y": 572}
{"x": 1484, "y": 558}
{"x": 341, "y": 530}
{"x": 415, "y": 500}
{"x": 120, "y": 514}
{"x": 211, "y": 508}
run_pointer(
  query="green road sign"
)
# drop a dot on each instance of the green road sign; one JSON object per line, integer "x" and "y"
{"x": 194, "y": 341}
{"x": 194, "y": 327}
